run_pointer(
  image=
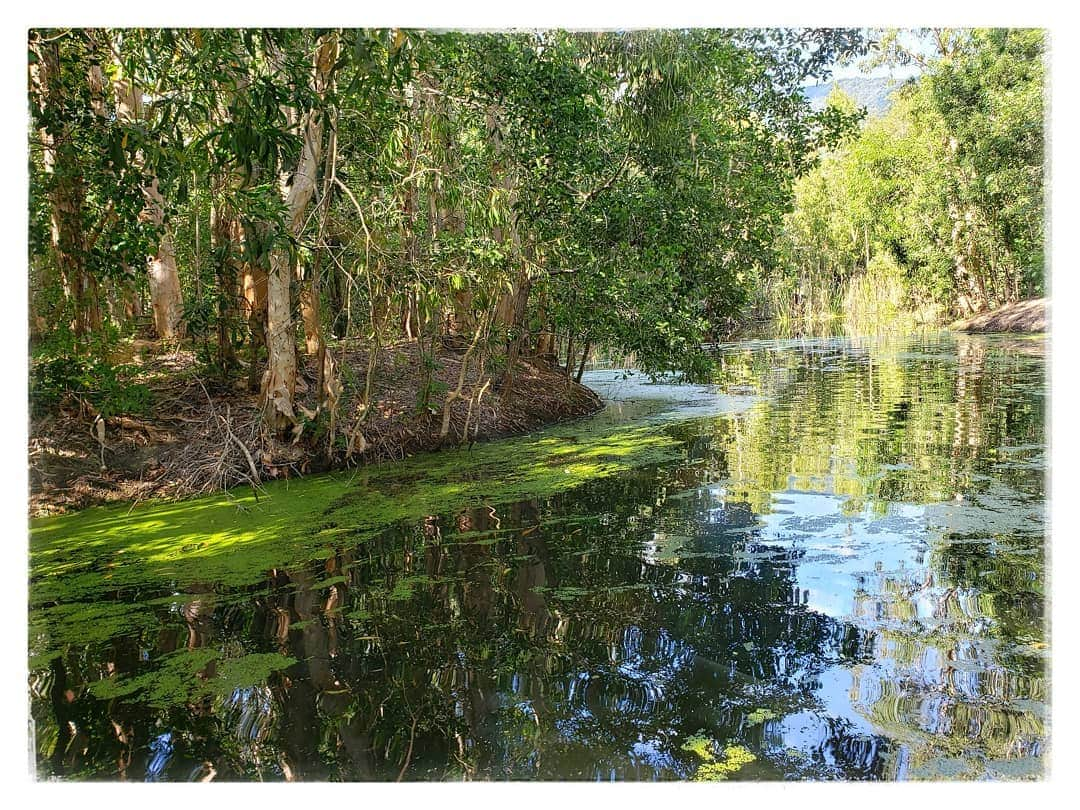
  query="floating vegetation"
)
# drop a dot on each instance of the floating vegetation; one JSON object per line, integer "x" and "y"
{"x": 759, "y": 716}
{"x": 185, "y": 676}
{"x": 901, "y": 640}
{"x": 717, "y": 762}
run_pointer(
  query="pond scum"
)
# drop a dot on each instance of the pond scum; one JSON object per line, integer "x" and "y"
{"x": 78, "y": 561}
{"x": 713, "y": 767}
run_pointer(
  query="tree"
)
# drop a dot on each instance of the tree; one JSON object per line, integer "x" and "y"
{"x": 947, "y": 185}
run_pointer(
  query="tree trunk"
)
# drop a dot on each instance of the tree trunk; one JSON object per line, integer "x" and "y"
{"x": 166, "y": 298}
{"x": 67, "y": 195}
{"x": 253, "y": 283}
{"x": 584, "y": 358}
{"x": 279, "y": 381}
{"x": 546, "y": 352}
{"x": 309, "y": 293}
{"x": 309, "y": 310}
{"x": 411, "y": 326}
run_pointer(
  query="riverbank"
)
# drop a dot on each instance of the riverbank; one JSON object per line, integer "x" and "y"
{"x": 201, "y": 435}
{"x": 1023, "y": 316}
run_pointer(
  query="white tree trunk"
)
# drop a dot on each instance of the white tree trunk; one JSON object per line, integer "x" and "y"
{"x": 279, "y": 381}
{"x": 166, "y": 299}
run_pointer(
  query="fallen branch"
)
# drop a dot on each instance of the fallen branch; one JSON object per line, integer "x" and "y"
{"x": 242, "y": 446}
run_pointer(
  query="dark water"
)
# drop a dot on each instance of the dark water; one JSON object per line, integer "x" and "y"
{"x": 842, "y": 576}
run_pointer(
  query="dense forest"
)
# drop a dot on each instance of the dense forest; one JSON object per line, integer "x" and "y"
{"x": 935, "y": 209}
{"x": 299, "y": 215}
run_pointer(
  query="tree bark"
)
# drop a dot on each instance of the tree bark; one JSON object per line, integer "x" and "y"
{"x": 411, "y": 326}
{"x": 309, "y": 293}
{"x": 584, "y": 358}
{"x": 226, "y": 241}
{"x": 279, "y": 381}
{"x": 253, "y": 300}
{"x": 166, "y": 298}
{"x": 67, "y": 193}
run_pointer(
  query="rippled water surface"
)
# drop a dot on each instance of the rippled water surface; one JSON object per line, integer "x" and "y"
{"x": 828, "y": 565}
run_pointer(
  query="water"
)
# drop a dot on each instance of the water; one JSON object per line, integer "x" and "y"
{"x": 831, "y": 565}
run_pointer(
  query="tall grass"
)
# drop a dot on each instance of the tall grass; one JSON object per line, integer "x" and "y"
{"x": 879, "y": 300}
{"x": 875, "y": 300}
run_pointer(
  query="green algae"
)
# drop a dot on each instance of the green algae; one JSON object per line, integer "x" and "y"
{"x": 232, "y": 540}
{"x": 701, "y": 746}
{"x": 759, "y": 716}
{"x": 219, "y": 538}
{"x": 493, "y": 626}
{"x": 248, "y": 670}
{"x": 185, "y": 676}
{"x": 175, "y": 678}
{"x": 717, "y": 762}
{"x": 56, "y": 626}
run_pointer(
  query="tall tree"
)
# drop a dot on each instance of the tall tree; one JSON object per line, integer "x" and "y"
{"x": 279, "y": 381}
{"x": 166, "y": 298}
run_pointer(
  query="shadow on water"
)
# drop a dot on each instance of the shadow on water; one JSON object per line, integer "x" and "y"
{"x": 833, "y": 571}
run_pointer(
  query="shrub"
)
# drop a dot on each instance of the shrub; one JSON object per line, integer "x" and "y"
{"x": 107, "y": 387}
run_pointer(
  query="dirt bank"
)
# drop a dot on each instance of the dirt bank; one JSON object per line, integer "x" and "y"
{"x": 1023, "y": 316}
{"x": 202, "y": 435}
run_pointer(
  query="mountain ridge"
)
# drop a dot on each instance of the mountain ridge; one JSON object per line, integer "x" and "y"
{"x": 875, "y": 94}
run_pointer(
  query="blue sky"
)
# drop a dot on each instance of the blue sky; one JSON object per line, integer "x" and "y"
{"x": 900, "y": 73}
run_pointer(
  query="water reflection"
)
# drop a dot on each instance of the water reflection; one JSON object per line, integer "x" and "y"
{"x": 844, "y": 578}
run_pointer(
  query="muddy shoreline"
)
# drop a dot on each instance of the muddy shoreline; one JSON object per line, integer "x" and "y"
{"x": 1023, "y": 316}
{"x": 203, "y": 435}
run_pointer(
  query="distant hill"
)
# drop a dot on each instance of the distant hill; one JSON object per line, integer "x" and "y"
{"x": 874, "y": 94}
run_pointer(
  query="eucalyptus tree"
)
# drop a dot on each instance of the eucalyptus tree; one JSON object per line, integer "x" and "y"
{"x": 86, "y": 199}
{"x": 166, "y": 298}
{"x": 527, "y": 194}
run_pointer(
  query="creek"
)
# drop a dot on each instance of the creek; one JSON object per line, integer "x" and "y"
{"x": 829, "y": 563}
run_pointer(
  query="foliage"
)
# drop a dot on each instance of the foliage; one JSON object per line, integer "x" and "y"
{"x": 615, "y": 191}
{"x": 948, "y": 185}
{"x": 61, "y": 371}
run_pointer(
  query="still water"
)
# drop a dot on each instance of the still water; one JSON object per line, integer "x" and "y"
{"x": 830, "y": 564}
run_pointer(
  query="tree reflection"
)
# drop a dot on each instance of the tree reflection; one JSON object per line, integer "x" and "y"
{"x": 588, "y": 635}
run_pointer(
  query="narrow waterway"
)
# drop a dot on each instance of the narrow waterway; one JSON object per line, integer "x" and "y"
{"x": 829, "y": 564}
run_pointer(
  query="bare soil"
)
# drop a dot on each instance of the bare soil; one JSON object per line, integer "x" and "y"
{"x": 1023, "y": 316}
{"x": 203, "y": 435}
